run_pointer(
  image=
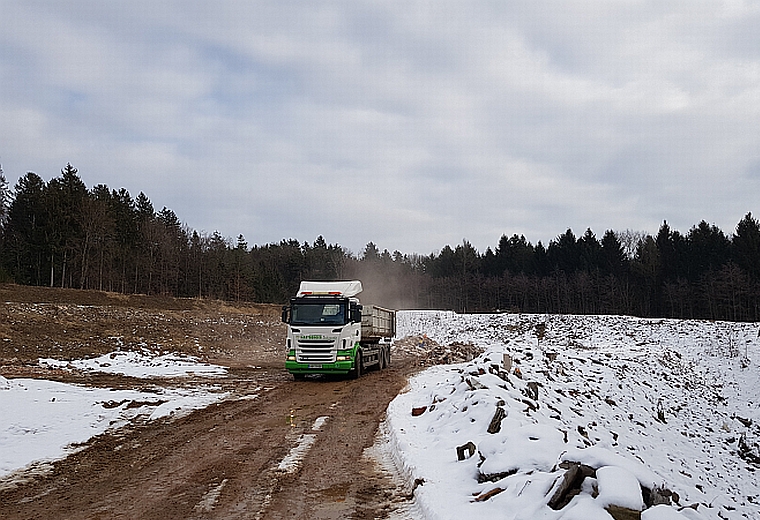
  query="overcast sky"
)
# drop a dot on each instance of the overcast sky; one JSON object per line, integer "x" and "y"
{"x": 410, "y": 124}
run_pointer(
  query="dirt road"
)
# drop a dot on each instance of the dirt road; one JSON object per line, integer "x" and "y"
{"x": 230, "y": 460}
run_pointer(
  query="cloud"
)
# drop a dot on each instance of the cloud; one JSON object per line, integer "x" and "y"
{"x": 412, "y": 125}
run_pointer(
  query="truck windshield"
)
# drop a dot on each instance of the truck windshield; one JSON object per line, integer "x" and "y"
{"x": 318, "y": 313}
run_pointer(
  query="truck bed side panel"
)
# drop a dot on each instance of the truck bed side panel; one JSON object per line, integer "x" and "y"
{"x": 378, "y": 322}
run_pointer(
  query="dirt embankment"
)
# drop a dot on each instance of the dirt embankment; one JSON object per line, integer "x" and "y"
{"x": 70, "y": 324}
{"x": 225, "y": 461}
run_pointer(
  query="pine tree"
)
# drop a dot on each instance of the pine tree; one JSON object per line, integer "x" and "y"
{"x": 672, "y": 249}
{"x": 371, "y": 253}
{"x": 64, "y": 199}
{"x": 746, "y": 246}
{"x": 97, "y": 225}
{"x": 708, "y": 250}
{"x": 612, "y": 256}
{"x": 127, "y": 237}
{"x": 589, "y": 251}
{"x": 25, "y": 255}
{"x": 564, "y": 253}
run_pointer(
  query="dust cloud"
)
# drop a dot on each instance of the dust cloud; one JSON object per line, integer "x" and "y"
{"x": 386, "y": 289}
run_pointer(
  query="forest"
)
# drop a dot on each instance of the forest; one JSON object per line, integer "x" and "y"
{"x": 61, "y": 233}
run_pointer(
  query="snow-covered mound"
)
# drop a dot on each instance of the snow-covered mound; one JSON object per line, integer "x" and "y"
{"x": 581, "y": 417}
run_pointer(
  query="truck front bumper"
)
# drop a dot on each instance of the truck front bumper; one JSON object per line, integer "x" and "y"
{"x": 339, "y": 367}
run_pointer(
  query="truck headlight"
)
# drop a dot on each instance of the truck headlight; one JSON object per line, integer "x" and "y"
{"x": 342, "y": 358}
{"x": 291, "y": 357}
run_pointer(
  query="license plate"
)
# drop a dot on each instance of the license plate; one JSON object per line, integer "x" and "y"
{"x": 315, "y": 366}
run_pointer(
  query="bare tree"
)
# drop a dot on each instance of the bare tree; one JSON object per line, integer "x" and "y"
{"x": 630, "y": 240}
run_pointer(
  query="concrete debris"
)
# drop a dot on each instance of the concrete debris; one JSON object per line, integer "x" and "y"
{"x": 432, "y": 353}
{"x": 466, "y": 451}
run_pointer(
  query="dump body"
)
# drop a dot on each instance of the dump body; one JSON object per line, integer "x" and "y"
{"x": 329, "y": 332}
{"x": 378, "y": 322}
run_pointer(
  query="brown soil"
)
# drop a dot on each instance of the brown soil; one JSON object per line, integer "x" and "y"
{"x": 220, "y": 462}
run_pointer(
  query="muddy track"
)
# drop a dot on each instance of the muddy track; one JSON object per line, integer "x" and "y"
{"x": 225, "y": 461}
{"x": 222, "y": 462}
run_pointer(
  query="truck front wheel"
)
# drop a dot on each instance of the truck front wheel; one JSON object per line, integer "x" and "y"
{"x": 358, "y": 369}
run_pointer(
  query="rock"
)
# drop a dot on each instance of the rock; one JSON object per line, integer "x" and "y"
{"x": 570, "y": 485}
{"x": 662, "y": 512}
{"x": 474, "y": 384}
{"x": 540, "y": 331}
{"x": 746, "y": 422}
{"x": 495, "y": 477}
{"x": 531, "y": 392}
{"x": 622, "y": 513}
{"x": 498, "y": 416}
{"x": 658, "y": 495}
{"x": 468, "y": 448}
{"x": 619, "y": 487}
{"x": 506, "y": 362}
{"x": 418, "y": 411}
{"x": 488, "y": 494}
{"x": 749, "y": 447}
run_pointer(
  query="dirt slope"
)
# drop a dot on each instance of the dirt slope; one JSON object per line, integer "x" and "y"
{"x": 221, "y": 462}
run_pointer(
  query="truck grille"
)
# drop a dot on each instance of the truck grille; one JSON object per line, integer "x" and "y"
{"x": 315, "y": 350}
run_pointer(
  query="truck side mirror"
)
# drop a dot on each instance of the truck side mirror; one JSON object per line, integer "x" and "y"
{"x": 285, "y": 314}
{"x": 356, "y": 313}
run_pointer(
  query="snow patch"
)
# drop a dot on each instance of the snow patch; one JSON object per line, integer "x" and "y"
{"x": 47, "y": 420}
{"x": 619, "y": 487}
{"x": 293, "y": 459}
{"x": 140, "y": 364}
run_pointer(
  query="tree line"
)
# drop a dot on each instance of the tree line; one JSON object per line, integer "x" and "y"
{"x": 61, "y": 233}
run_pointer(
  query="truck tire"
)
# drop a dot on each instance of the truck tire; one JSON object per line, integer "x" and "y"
{"x": 381, "y": 359}
{"x": 358, "y": 369}
{"x": 388, "y": 356}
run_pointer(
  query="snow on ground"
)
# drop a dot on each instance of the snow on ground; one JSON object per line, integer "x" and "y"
{"x": 643, "y": 404}
{"x": 140, "y": 364}
{"x": 46, "y": 420}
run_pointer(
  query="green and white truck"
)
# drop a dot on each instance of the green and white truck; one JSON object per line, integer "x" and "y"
{"x": 330, "y": 332}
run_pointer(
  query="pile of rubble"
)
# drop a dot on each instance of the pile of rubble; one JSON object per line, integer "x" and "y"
{"x": 430, "y": 353}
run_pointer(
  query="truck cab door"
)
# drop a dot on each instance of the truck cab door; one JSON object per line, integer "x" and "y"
{"x": 355, "y": 313}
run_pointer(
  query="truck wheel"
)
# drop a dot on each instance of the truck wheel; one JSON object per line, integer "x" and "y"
{"x": 358, "y": 369}
{"x": 381, "y": 359}
{"x": 388, "y": 357}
